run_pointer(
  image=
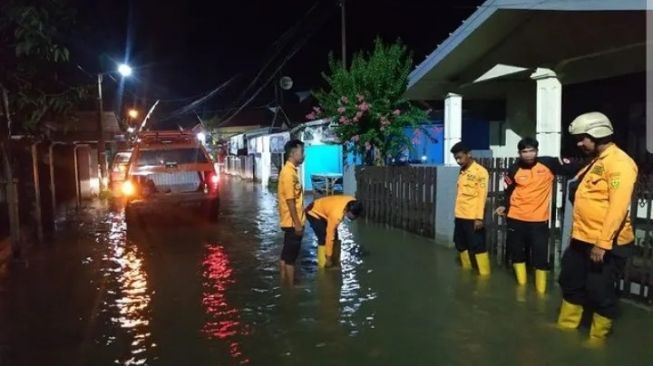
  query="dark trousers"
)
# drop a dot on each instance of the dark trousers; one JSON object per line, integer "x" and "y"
{"x": 526, "y": 238}
{"x": 466, "y": 238}
{"x": 592, "y": 284}
{"x": 291, "y": 245}
{"x": 319, "y": 227}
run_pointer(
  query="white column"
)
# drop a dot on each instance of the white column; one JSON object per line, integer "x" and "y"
{"x": 548, "y": 111}
{"x": 453, "y": 125}
{"x": 266, "y": 162}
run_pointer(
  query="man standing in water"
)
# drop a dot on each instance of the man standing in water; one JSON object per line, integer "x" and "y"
{"x": 602, "y": 235}
{"x": 469, "y": 232}
{"x": 529, "y": 187}
{"x": 291, "y": 209}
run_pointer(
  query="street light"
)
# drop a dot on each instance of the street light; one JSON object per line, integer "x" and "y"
{"x": 124, "y": 70}
{"x": 132, "y": 113}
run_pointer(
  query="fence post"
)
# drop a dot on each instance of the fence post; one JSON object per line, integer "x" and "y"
{"x": 37, "y": 192}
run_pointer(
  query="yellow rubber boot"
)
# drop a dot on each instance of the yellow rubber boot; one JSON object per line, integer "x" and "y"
{"x": 483, "y": 262}
{"x": 520, "y": 273}
{"x": 321, "y": 256}
{"x": 600, "y": 327}
{"x": 570, "y": 315}
{"x": 465, "y": 261}
{"x": 540, "y": 281}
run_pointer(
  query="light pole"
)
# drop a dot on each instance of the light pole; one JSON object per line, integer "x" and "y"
{"x": 124, "y": 70}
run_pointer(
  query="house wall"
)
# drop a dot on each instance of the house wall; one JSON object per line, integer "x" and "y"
{"x": 518, "y": 123}
{"x": 84, "y": 166}
{"x": 623, "y": 100}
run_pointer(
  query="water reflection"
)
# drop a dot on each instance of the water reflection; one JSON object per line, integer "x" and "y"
{"x": 224, "y": 319}
{"x": 129, "y": 303}
{"x": 353, "y": 295}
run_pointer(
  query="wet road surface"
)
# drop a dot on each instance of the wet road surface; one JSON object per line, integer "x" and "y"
{"x": 178, "y": 293}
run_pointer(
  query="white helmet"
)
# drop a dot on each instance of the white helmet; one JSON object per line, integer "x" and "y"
{"x": 595, "y": 124}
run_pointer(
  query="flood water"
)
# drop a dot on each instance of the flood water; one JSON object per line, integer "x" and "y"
{"x": 178, "y": 293}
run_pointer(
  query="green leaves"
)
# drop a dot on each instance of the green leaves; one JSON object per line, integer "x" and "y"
{"x": 366, "y": 100}
{"x": 32, "y": 60}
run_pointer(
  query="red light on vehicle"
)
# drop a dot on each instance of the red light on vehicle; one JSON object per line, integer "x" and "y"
{"x": 211, "y": 180}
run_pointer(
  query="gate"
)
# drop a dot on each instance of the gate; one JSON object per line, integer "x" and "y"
{"x": 402, "y": 197}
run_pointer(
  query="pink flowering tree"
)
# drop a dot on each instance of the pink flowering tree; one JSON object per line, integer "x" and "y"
{"x": 366, "y": 101}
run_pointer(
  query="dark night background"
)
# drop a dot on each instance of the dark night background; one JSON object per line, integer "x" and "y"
{"x": 183, "y": 49}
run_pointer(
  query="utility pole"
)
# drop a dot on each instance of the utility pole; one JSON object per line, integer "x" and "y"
{"x": 343, "y": 25}
{"x": 101, "y": 156}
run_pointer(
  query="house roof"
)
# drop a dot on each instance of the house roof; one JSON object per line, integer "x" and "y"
{"x": 83, "y": 128}
{"x": 579, "y": 40}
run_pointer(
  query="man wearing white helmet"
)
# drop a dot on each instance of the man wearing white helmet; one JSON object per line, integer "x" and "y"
{"x": 602, "y": 234}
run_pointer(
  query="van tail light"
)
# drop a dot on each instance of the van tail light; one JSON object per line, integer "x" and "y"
{"x": 211, "y": 180}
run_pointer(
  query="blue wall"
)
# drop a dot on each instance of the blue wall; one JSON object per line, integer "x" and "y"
{"x": 475, "y": 134}
{"x": 428, "y": 141}
{"x": 321, "y": 159}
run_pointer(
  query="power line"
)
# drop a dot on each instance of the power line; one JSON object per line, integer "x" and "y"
{"x": 267, "y": 82}
{"x": 293, "y": 51}
{"x": 278, "y": 45}
{"x": 192, "y": 105}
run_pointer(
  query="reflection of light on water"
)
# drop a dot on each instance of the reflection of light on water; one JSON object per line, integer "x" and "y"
{"x": 132, "y": 299}
{"x": 224, "y": 319}
{"x": 352, "y": 296}
{"x": 135, "y": 298}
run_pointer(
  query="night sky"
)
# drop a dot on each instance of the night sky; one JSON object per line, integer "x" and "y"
{"x": 183, "y": 49}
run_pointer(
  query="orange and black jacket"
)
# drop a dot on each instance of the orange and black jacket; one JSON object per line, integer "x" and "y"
{"x": 528, "y": 188}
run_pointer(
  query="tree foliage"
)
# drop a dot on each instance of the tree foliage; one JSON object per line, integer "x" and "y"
{"x": 366, "y": 101}
{"x": 34, "y": 60}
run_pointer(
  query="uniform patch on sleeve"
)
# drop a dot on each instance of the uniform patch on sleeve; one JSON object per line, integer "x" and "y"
{"x": 615, "y": 182}
{"x": 598, "y": 170}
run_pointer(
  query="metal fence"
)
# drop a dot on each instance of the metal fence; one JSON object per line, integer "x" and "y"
{"x": 402, "y": 197}
{"x": 242, "y": 166}
{"x": 638, "y": 277}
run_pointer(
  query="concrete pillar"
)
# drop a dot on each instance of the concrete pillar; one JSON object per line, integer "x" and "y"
{"x": 266, "y": 162}
{"x": 548, "y": 111}
{"x": 453, "y": 125}
{"x": 445, "y": 200}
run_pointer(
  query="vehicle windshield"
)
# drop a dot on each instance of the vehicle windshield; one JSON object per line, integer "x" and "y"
{"x": 171, "y": 156}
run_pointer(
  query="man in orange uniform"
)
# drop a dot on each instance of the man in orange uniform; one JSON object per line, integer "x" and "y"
{"x": 324, "y": 215}
{"x": 602, "y": 234}
{"x": 529, "y": 185}
{"x": 291, "y": 209}
{"x": 469, "y": 232}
